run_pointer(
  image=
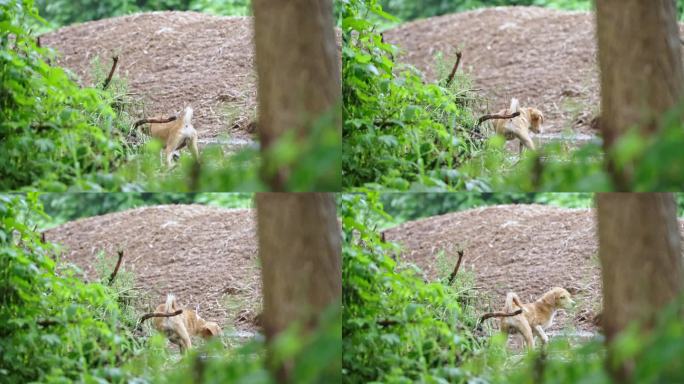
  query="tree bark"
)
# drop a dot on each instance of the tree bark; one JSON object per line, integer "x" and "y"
{"x": 298, "y": 73}
{"x": 641, "y": 68}
{"x": 641, "y": 259}
{"x": 300, "y": 253}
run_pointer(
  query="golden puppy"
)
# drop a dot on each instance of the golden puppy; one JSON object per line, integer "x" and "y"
{"x": 180, "y": 328}
{"x": 530, "y": 120}
{"x": 535, "y": 316}
{"x": 176, "y": 135}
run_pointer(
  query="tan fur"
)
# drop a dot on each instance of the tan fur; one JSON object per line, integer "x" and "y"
{"x": 176, "y": 135}
{"x": 180, "y": 328}
{"x": 530, "y": 120}
{"x": 536, "y": 316}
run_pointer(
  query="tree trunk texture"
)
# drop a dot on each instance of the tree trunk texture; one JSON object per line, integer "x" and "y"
{"x": 641, "y": 259}
{"x": 300, "y": 253}
{"x": 298, "y": 72}
{"x": 641, "y": 68}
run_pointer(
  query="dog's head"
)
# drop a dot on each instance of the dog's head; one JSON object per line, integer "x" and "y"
{"x": 560, "y": 298}
{"x": 209, "y": 329}
{"x": 536, "y": 120}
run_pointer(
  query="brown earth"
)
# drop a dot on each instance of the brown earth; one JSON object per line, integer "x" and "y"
{"x": 544, "y": 57}
{"x": 526, "y": 249}
{"x": 170, "y": 60}
{"x": 206, "y": 256}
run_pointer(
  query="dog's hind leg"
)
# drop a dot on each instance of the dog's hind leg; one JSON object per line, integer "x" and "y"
{"x": 526, "y": 331}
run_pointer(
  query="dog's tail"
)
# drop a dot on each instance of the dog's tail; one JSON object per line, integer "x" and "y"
{"x": 170, "y": 305}
{"x": 511, "y": 299}
{"x": 188, "y": 114}
{"x": 515, "y": 106}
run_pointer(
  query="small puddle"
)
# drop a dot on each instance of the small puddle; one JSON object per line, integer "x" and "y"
{"x": 573, "y": 334}
{"x": 231, "y": 144}
{"x": 240, "y": 335}
{"x": 571, "y": 138}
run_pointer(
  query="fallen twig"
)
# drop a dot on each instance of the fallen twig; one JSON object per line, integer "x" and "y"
{"x": 458, "y": 265}
{"x": 155, "y": 121}
{"x": 454, "y": 69}
{"x": 498, "y": 314}
{"x": 490, "y": 117}
{"x": 156, "y": 314}
{"x": 111, "y": 72}
{"x": 116, "y": 268}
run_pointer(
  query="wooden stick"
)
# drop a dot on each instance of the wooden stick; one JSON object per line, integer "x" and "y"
{"x": 156, "y": 314}
{"x": 155, "y": 121}
{"x": 498, "y": 314}
{"x": 111, "y": 72}
{"x": 116, "y": 268}
{"x": 455, "y": 271}
{"x": 490, "y": 117}
{"x": 453, "y": 70}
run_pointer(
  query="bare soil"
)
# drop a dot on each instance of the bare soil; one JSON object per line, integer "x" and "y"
{"x": 170, "y": 60}
{"x": 206, "y": 256}
{"x": 544, "y": 57}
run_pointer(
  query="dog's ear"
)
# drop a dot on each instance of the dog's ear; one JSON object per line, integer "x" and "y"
{"x": 210, "y": 329}
{"x": 206, "y": 332}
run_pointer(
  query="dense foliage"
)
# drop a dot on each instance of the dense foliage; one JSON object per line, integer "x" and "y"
{"x": 397, "y": 328}
{"x": 64, "y": 12}
{"x": 411, "y": 9}
{"x": 61, "y": 207}
{"x": 410, "y": 206}
{"x": 55, "y": 327}
{"x": 399, "y": 131}
{"x": 53, "y": 133}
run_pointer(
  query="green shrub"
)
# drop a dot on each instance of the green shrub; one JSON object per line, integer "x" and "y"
{"x": 56, "y": 328}
{"x": 398, "y": 131}
{"x": 53, "y": 134}
{"x": 396, "y": 327}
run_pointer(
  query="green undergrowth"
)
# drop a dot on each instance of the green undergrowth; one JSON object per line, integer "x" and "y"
{"x": 57, "y": 328}
{"x": 399, "y": 132}
{"x": 397, "y": 327}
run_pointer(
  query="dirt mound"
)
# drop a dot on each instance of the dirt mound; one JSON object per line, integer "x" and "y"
{"x": 544, "y": 57}
{"x": 204, "y": 255}
{"x": 173, "y": 59}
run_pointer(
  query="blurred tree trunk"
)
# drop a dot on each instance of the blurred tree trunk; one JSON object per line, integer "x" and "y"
{"x": 298, "y": 73}
{"x": 300, "y": 252}
{"x": 641, "y": 68}
{"x": 641, "y": 259}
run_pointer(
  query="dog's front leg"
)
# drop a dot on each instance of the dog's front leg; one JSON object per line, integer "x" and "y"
{"x": 540, "y": 331}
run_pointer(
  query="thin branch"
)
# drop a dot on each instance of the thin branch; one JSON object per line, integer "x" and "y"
{"x": 498, "y": 314}
{"x": 155, "y": 121}
{"x": 458, "y": 265}
{"x": 111, "y": 72}
{"x": 490, "y": 117}
{"x": 156, "y": 314}
{"x": 454, "y": 69}
{"x": 47, "y": 322}
{"x": 116, "y": 268}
